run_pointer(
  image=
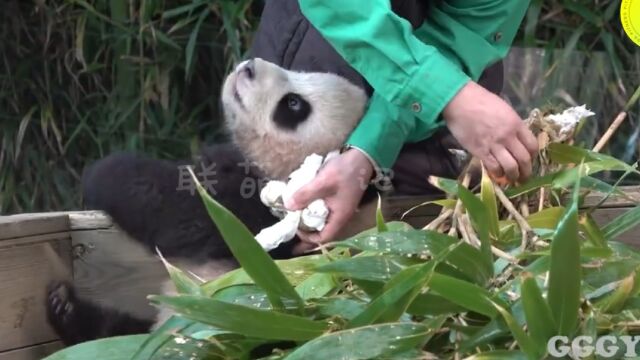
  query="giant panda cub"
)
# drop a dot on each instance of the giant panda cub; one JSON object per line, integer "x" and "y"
{"x": 275, "y": 118}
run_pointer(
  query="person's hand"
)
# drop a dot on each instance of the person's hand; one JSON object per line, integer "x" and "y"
{"x": 487, "y": 127}
{"x": 341, "y": 183}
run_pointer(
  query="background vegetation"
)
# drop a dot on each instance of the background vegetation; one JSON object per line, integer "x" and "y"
{"x": 80, "y": 79}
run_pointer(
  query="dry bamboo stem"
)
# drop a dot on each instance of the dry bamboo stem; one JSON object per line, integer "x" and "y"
{"x": 466, "y": 179}
{"x": 501, "y": 254}
{"x": 522, "y": 222}
{"x": 471, "y": 233}
{"x": 464, "y": 231}
{"x": 524, "y": 205}
{"x": 444, "y": 215}
{"x": 610, "y": 131}
{"x": 541, "y": 194}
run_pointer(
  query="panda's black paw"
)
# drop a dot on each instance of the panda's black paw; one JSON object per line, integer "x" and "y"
{"x": 62, "y": 311}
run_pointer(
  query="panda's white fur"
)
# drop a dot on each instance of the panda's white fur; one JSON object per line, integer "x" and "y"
{"x": 208, "y": 271}
{"x": 336, "y": 107}
{"x": 249, "y": 103}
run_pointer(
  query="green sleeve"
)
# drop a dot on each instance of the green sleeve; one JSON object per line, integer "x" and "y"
{"x": 414, "y": 73}
{"x": 382, "y": 132}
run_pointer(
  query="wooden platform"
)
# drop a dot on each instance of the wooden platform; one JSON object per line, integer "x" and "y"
{"x": 83, "y": 247}
{"x": 108, "y": 267}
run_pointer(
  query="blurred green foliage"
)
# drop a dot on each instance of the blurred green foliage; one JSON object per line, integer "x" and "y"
{"x": 80, "y": 79}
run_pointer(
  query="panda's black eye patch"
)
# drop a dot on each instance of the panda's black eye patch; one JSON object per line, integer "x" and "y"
{"x": 291, "y": 110}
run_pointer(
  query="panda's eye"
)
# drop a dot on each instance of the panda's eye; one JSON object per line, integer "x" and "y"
{"x": 291, "y": 111}
{"x": 293, "y": 102}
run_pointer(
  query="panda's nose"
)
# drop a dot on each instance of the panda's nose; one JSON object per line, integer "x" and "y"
{"x": 249, "y": 69}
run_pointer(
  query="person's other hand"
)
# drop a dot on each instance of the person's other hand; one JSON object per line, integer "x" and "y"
{"x": 341, "y": 183}
{"x": 487, "y": 127}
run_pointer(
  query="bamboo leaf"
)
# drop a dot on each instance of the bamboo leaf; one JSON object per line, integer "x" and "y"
{"x": 499, "y": 355}
{"x": 464, "y": 257}
{"x": 564, "y": 178}
{"x": 181, "y": 335}
{"x": 191, "y": 44}
{"x": 537, "y": 313}
{"x": 465, "y": 294}
{"x": 625, "y": 289}
{"x": 592, "y": 231}
{"x": 114, "y": 348}
{"x": 248, "y": 321}
{"x": 375, "y": 268}
{"x": 255, "y": 261}
{"x": 445, "y": 203}
{"x": 404, "y": 282}
{"x": 610, "y": 272}
{"x": 369, "y": 342}
{"x": 184, "y": 283}
{"x": 315, "y": 286}
{"x": 380, "y": 223}
{"x": 181, "y": 10}
{"x": 565, "y": 271}
{"x": 234, "y": 277}
{"x": 431, "y": 304}
{"x": 568, "y": 154}
{"x": 447, "y": 185}
{"x": 622, "y": 224}
{"x": 633, "y": 99}
{"x": 480, "y": 219}
{"x": 547, "y": 218}
{"x": 524, "y": 341}
{"x": 488, "y": 196}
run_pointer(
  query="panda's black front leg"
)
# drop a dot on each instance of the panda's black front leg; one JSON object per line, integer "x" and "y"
{"x": 76, "y": 320}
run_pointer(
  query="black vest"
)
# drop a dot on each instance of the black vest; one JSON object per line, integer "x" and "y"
{"x": 285, "y": 37}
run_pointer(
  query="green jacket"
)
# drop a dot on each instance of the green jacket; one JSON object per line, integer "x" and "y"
{"x": 414, "y": 73}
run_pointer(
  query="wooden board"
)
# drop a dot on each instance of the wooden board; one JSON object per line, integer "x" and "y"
{"x": 605, "y": 215}
{"x": 631, "y": 198}
{"x": 24, "y": 225}
{"x": 36, "y": 352}
{"x": 27, "y": 264}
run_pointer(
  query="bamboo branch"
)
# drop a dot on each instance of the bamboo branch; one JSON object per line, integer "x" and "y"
{"x": 466, "y": 179}
{"x": 524, "y": 205}
{"x": 444, "y": 216}
{"x": 522, "y": 222}
{"x": 610, "y": 131}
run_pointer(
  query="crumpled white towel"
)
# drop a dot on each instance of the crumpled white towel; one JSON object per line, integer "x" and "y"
{"x": 276, "y": 193}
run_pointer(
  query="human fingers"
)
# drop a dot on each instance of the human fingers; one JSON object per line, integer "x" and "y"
{"x": 305, "y": 236}
{"x": 522, "y": 156}
{"x": 492, "y": 165}
{"x": 335, "y": 223}
{"x": 528, "y": 140}
{"x": 507, "y": 162}
{"x": 303, "y": 247}
{"x": 318, "y": 188}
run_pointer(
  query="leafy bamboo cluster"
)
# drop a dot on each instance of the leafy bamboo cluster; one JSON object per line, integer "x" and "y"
{"x": 80, "y": 79}
{"x": 490, "y": 280}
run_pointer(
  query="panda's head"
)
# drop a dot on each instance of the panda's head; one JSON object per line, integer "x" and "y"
{"x": 278, "y": 117}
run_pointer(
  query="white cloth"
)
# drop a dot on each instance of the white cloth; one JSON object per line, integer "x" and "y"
{"x": 276, "y": 193}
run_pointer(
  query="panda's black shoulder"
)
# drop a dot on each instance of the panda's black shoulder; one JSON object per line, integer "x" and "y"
{"x": 154, "y": 201}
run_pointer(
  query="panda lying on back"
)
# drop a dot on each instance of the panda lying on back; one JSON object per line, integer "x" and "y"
{"x": 276, "y": 118}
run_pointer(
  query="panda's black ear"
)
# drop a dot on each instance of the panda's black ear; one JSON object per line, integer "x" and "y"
{"x": 291, "y": 111}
